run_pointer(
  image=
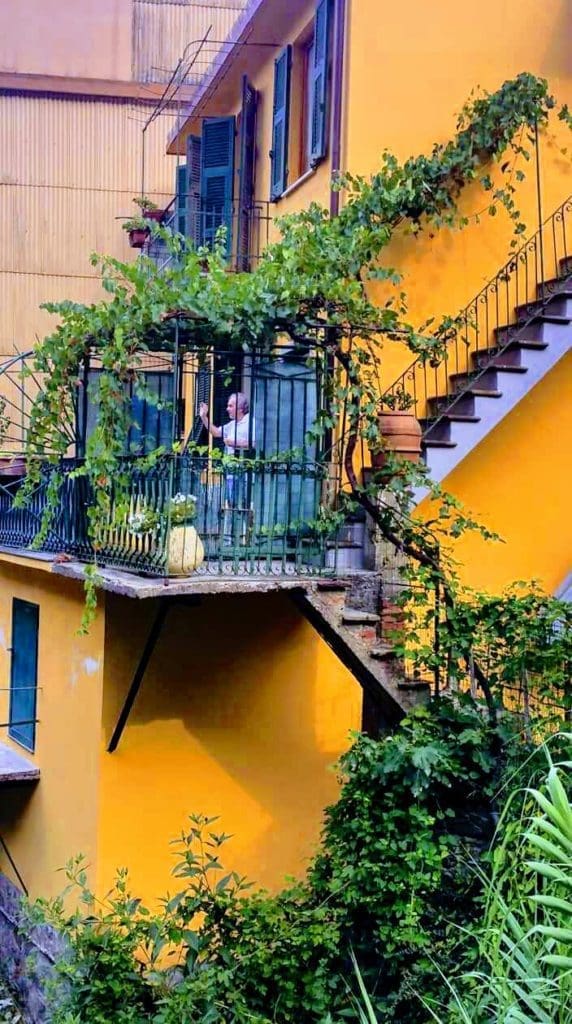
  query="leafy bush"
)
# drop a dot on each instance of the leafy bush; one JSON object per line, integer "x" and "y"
{"x": 390, "y": 884}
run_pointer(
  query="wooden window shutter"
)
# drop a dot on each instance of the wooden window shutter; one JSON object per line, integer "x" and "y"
{"x": 319, "y": 128}
{"x": 280, "y": 119}
{"x": 246, "y": 186}
{"x": 193, "y": 189}
{"x": 24, "y": 673}
{"x": 217, "y": 179}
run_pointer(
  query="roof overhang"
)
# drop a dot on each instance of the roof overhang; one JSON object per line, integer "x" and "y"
{"x": 262, "y": 28}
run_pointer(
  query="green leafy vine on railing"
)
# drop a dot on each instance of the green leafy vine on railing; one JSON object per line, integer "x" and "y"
{"x": 310, "y": 283}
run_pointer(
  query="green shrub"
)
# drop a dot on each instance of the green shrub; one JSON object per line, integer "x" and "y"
{"x": 390, "y": 883}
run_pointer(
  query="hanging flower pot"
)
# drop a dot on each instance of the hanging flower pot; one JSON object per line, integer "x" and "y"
{"x": 154, "y": 215}
{"x": 138, "y": 237}
{"x": 401, "y": 435}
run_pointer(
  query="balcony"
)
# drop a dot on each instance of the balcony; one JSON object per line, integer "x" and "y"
{"x": 246, "y": 497}
{"x": 247, "y": 229}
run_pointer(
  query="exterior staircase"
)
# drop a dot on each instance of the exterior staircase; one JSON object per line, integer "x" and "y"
{"x": 506, "y": 340}
{"x": 346, "y": 613}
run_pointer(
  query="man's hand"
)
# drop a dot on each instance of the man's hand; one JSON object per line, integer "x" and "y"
{"x": 203, "y": 410}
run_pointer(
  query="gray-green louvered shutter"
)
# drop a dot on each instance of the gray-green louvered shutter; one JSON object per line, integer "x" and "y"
{"x": 181, "y": 200}
{"x": 319, "y": 128}
{"x": 193, "y": 189}
{"x": 246, "y": 186}
{"x": 217, "y": 178}
{"x": 280, "y": 119}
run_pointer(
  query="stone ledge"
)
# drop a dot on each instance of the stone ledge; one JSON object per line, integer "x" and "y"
{"x": 15, "y": 768}
{"x": 129, "y": 584}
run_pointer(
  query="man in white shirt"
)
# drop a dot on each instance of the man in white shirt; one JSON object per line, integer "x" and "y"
{"x": 237, "y": 434}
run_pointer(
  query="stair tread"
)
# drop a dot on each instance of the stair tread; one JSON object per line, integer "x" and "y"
{"x": 427, "y": 442}
{"x": 484, "y": 393}
{"x": 357, "y": 616}
{"x": 493, "y": 367}
{"x": 382, "y": 652}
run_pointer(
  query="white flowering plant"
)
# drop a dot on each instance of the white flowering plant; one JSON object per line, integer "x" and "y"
{"x": 183, "y": 508}
{"x": 143, "y": 520}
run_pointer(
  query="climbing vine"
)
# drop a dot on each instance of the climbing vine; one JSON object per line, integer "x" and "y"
{"x": 312, "y": 284}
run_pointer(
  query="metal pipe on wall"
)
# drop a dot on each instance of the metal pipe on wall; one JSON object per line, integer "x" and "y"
{"x": 338, "y": 92}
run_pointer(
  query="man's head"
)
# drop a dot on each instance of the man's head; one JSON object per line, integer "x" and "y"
{"x": 237, "y": 406}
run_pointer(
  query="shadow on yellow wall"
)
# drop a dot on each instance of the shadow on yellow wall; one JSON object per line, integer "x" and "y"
{"x": 241, "y": 714}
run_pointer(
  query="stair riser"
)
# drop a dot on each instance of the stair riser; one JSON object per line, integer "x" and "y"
{"x": 554, "y": 306}
{"x": 513, "y": 356}
{"x": 463, "y": 406}
{"x": 487, "y": 381}
{"x": 532, "y": 332}
{"x": 554, "y": 285}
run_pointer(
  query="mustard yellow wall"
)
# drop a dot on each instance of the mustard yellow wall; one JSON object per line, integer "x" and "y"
{"x": 410, "y": 68}
{"x": 241, "y": 714}
{"x": 45, "y": 825}
{"x": 518, "y": 483}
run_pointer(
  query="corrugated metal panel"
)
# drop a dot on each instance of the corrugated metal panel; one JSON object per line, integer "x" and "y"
{"x": 20, "y": 297}
{"x": 163, "y": 30}
{"x": 88, "y": 142}
{"x": 68, "y": 169}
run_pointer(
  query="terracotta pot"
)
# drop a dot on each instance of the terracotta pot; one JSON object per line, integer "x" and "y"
{"x": 138, "y": 237}
{"x": 156, "y": 215}
{"x": 401, "y": 432}
{"x": 185, "y": 552}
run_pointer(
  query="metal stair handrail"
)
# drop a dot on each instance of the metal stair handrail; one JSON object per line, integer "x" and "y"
{"x": 526, "y": 282}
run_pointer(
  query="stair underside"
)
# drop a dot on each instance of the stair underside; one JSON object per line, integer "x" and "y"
{"x": 374, "y": 667}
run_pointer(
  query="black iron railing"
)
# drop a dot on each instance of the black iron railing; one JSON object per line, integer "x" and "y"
{"x": 242, "y": 485}
{"x": 504, "y": 310}
{"x": 247, "y": 229}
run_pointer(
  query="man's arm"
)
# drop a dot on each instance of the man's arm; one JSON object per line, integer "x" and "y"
{"x": 204, "y": 415}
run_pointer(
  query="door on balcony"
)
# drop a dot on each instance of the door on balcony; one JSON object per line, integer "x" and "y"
{"x": 285, "y": 408}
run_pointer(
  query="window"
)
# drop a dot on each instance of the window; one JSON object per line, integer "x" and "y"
{"x": 300, "y": 107}
{"x": 24, "y": 673}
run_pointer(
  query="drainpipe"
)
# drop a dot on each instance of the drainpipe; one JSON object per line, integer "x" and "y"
{"x": 338, "y": 95}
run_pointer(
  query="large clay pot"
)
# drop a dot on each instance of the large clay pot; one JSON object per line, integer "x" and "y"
{"x": 401, "y": 432}
{"x": 185, "y": 552}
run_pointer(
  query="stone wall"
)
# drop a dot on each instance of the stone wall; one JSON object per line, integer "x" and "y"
{"x": 28, "y": 954}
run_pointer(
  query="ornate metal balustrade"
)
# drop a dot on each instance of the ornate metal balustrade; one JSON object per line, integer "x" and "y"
{"x": 247, "y": 229}
{"x": 241, "y": 482}
{"x": 504, "y": 310}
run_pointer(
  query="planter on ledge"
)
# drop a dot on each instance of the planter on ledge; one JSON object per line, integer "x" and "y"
{"x": 185, "y": 551}
{"x": 401, "y": 432}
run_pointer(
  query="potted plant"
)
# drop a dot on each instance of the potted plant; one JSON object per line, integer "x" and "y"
{"x": 138, "y": 227}
{"x": 185, "y": 551}
{"x": 399, "y": 432}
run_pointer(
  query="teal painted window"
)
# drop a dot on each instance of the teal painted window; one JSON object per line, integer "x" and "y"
{"x": 280, "y": 123}
{"x": 24, "y": 673}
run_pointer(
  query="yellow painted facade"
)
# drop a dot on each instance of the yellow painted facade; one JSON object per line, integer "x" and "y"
{"x": 243, "y": 708}
{"x": 407, "y": 76}
{"x": 242, "y": 713}
{"x": 46, "y": 825}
